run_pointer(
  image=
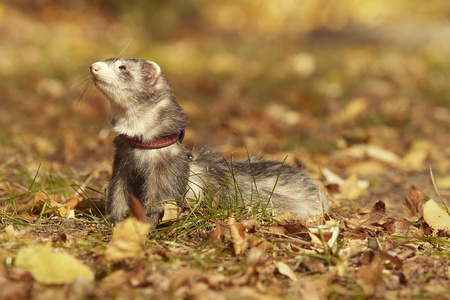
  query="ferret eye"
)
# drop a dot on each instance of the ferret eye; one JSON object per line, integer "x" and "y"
{"x": 122, "y": 67}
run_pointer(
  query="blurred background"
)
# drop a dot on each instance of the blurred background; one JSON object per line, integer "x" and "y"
{"x": 319, "y": 79}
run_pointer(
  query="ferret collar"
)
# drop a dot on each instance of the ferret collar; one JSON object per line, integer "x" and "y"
{"x": 157, "y": 143}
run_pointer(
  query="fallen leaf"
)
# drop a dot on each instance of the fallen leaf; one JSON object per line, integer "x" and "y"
{"x": 251, "y": 225}
{"x": 366, "y": 168}
{"x": 415, "y": 159}
{"x": 353, "y": 110}
{"x": 8, "y": 234}
{"x": 443, "y": 182}
{"x": 220, "y": 232}
{"x": 136, "y": 208}
{"x": 412, "y": 204}
{"x": 436, "y": 216}
{"x": 369, "y": 276}
{"x": 127, "y": 240}
{"x": 181, "y": 278}
{"x": 278, "y": 230}
{"x": 286, "y": 271}
{"x": 284, "y": 218}
{"x": 391, "y": 261}
{"x": 352, "y": 188}
{"x": 296, "y": 228}
{"x": 74, "y": 200}
{"x": 51, "y": 267}
{"x": 256, "y": 264}
{"x": 378, "y": 212}
{"x": 332, "y": 178}
{"x": 238, "y": 236}
{"x": 330, "y": 235}
{"x": 383, "y": 155}
{"x": 61, "y": 210}
{"x": 313, "y": 288}
{"x": 171, "y": 211}
{"x": 340, "y": 270}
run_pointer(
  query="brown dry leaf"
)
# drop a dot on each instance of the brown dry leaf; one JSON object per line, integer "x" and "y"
{"x": 361, "y": 225}
{"x": 136, "y": 208}
{"x": 412, "y": 204}
{"x": 219, "y": 234}
{"x": 353, "y": 248}
{"x": 251, "y": 225}
{"x": 51, "y": 267}
{"x": 238, "y": 236}
{"x": 277, "y": 230}
{"x": 257, "y": 265}
{"x": 42, "y": 197}
{"x": 28, "y": 217}
{"x": 401, "y": 227}
{"x": 181, "y": 278}
{"x": 391, "y": 261}
{"x": 313, "y": 288}
{"x": 115, "y": 280}
{"x": 296, "y": 228}
{"x": 127, "y": 240}
{"x": 436, "y": 216}
{"x": 73, "y": 201}
{"x": 286, "y": 271}
{"x": 254, "y": 258}
{"x": 369, "y": 276}
{"x": 378, "y": 212}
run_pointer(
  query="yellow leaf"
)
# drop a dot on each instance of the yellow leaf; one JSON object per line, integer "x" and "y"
{"x": 62, "y": 210}
{"x": 443, "y": 182}
{"x": 171, "y": 211}
{"x": 128, "y": 240}
{"x": 436, "y": 216}
{"x": 416, "y": 156}
{"x": 284, "y": 218}
{"x": 51, "y": 267}
{"x": 8, "y": 234}
{"x": 354, "y": 109}
{"x": 352, "y": 188}
{"x": 340, "y": 270}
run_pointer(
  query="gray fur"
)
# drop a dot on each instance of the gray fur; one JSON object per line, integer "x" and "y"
{"x": 143, "y": 106}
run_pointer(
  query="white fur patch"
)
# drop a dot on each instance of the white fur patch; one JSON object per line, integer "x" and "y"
{"x": 196, "y": 183}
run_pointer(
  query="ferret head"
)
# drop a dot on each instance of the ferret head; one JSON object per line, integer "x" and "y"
{"x": 141, "y": 98}
{"x": 129, "y": 81}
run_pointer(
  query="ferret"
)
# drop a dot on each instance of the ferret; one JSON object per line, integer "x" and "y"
{"x": 152, "y": 164}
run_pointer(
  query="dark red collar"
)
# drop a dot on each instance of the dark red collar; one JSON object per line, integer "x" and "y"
{"x": 157, "y": 143}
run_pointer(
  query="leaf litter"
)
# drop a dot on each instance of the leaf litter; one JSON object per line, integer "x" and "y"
{"x": 369, "y": 131}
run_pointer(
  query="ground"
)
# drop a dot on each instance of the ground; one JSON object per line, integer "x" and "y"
{"x": 355, "y": 93}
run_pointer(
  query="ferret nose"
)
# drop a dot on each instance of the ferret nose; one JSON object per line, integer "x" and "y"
{"x": 95, "y": 67}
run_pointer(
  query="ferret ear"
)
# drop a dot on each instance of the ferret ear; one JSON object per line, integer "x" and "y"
{"x": 152, "y": 72}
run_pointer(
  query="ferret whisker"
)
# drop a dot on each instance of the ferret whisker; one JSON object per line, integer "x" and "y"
{"x": 84, "y": 83}
{"x": 126, "y": 47}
